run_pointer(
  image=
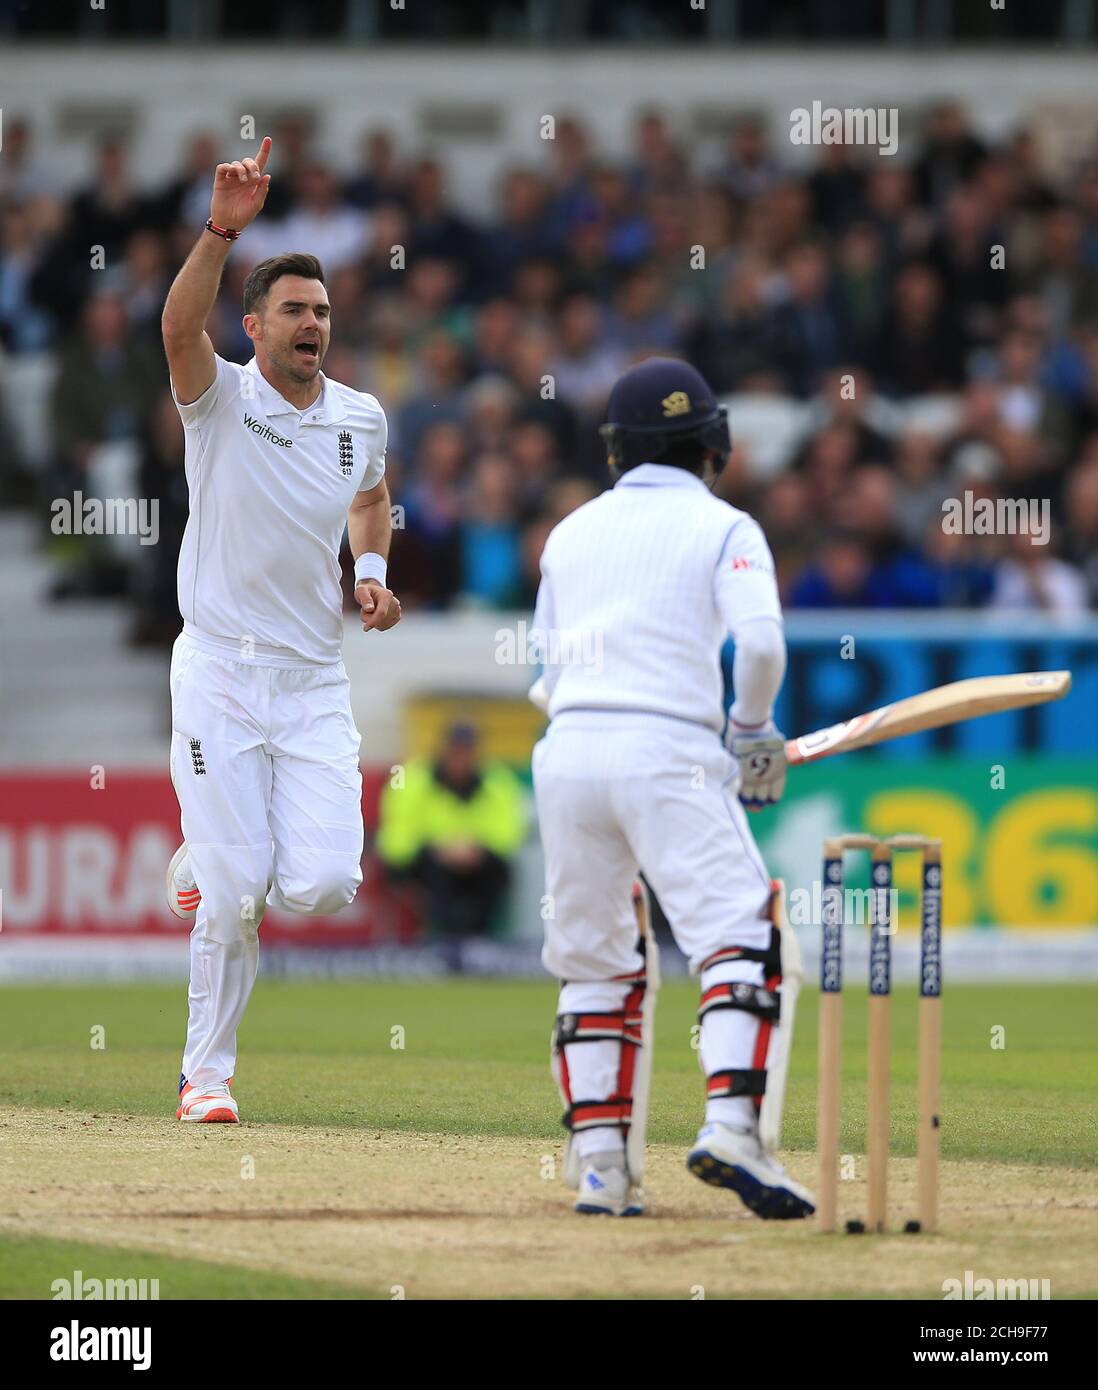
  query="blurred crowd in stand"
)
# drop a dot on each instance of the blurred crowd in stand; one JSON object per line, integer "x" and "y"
{"x": 889, "y": 332}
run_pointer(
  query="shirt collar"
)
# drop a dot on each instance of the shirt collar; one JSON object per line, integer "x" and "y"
{"x": 658, "y": 475}
{"x": 327, "y": 409}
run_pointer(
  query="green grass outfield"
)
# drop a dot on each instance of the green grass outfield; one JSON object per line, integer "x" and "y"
{"x": 474, "y": 1060}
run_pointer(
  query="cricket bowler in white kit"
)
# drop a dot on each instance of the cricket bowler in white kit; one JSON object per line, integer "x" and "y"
{"x": 264, "y": 752}
{"x": 637, "y": 771}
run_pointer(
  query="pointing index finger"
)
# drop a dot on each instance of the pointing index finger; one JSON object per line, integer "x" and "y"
{"x": 264, "y": 152}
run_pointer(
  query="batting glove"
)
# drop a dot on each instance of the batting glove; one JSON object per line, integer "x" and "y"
{"x": 761, "y": 756}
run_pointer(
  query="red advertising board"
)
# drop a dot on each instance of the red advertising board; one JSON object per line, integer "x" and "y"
{"x": 82, "y": 861}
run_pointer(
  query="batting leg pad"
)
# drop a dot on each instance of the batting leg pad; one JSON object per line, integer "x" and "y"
{"x": 624, "y": 1019}
{"x": 773, "y": 1003}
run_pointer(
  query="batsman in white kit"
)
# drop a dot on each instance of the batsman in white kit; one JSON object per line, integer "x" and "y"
{"x": 265, "y": 753}
{"x": 638, "y": 772}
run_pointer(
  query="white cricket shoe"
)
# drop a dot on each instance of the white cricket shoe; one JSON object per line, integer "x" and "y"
{"x": 207, "y": 1104}
{"x": 605, "y": 1189}
{"x": 726, "y": 1157}
{"x": 182, "y": 891}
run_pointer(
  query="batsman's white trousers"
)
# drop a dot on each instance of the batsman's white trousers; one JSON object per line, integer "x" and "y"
{"x": 621, "y": 792}
{"x": 265, "y": 762}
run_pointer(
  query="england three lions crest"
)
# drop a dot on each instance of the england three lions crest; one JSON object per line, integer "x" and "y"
{"x": 346, "y": 453}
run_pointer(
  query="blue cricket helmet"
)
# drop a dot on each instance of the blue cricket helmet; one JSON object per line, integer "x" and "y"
{"x": 657, "y": 403}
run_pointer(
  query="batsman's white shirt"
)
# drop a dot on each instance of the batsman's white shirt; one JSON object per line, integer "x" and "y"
{"x": 269, "y": 490}
{"x": 639, "y": 589}
{"x": 265, "y": 753}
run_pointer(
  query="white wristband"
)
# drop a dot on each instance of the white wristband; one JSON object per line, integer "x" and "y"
{"x": 370, "y": 566}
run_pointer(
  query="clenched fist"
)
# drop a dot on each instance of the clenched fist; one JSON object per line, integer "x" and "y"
{"x": 380, "y": 606}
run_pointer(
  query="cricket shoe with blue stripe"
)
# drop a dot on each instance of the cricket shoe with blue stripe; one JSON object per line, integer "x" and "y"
{"x": 605, "y": 1189}
{"x": 726, "y": 1157}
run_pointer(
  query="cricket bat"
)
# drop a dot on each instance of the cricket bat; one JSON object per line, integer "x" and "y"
{"x": 945, "y": 704}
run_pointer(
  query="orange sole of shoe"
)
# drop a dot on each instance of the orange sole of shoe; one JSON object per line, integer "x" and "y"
{"x": 222, "y": 1116}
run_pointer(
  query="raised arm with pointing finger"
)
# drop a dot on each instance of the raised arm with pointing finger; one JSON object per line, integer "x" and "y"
{"x": 239, "y": 192}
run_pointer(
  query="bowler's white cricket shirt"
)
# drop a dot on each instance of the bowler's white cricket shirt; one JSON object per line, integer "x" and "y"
{"x": 639, "y": 589}
{"x": 270, "y": 486}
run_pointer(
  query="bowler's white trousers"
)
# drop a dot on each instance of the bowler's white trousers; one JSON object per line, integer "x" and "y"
{"x": 265, "y": 762}
{"x": 618, "y": 792}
